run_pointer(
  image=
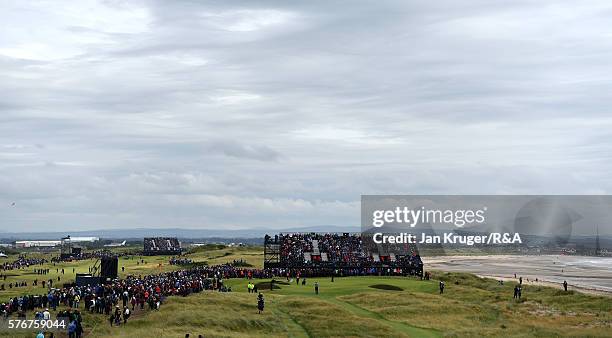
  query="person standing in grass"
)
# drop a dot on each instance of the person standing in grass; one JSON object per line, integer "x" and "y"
{"x": 117, "y": 315}
{"x": 79, "y": 329}
{"x": 72, "y": 329}
{"x": 126, "y": 314}
{"x": 441, "y": 287}
{"x": 260, "y": 303}
{"x": 125, "y": 298}
{"x": 316, "y": 286}
{"x": 565, "y": 285}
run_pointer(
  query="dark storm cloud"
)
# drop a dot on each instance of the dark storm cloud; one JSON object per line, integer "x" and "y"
{"x": 275, "y": 113}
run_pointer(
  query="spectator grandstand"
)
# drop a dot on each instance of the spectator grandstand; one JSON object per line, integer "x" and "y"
{"x": 161, "y": 246}
{"x": 339, "y": 251}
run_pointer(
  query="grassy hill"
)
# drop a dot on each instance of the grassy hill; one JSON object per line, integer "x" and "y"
{"x": 361, "y": 307}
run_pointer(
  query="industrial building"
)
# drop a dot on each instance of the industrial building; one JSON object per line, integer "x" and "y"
{"x": 48, "y": 244}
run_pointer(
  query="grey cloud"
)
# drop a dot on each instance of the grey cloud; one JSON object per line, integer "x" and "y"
{"x": 163, "y": 113}
{"x": 234, "y": 149}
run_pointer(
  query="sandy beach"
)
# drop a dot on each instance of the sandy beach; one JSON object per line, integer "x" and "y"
{"x": 586, "y": 274}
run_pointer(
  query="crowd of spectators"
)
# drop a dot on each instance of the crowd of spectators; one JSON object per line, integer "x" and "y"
{"x": 343, "y": 248}
{"x": 180, "y": 261}
{"x": 88, "y": 255}
{"x": 293, "y": 247}
{"x": 346, "y": 252}
{"x": 135, "y": 291}
{"x": 21, "y": 263}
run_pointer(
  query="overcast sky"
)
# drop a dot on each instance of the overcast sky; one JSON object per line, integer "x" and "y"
{"x": 229, "y": 114}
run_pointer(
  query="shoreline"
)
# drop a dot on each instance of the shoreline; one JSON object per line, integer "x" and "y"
{"x": 585, "y": 274}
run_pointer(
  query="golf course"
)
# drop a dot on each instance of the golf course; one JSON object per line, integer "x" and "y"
{"x": 349, "y": 306}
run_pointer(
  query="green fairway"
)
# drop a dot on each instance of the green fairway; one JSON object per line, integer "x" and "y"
{"x": 356, "y": 306}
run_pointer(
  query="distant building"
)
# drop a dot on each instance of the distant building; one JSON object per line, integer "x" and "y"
{"x": 35, "y": 244}
{"x": 49, "y": 244}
